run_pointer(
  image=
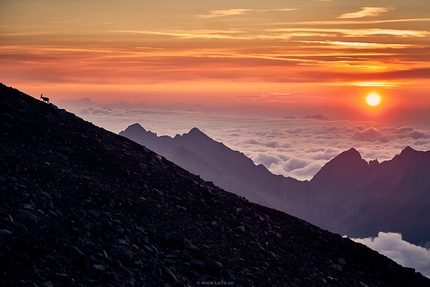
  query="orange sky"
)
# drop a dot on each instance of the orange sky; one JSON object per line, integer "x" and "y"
{"x": 303, "y": 52}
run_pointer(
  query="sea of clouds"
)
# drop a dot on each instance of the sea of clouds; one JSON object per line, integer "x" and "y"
{"x": 404, "y": 253}
{"x": 291, "y": 147}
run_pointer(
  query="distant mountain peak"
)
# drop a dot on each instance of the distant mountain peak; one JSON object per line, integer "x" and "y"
{"x": 345, "y": 168}
{"x": 195, "y": 133}
{"x": 318, "y": 117}
{"x": 136, "y": 127}
{"x": 408, "y": 150}
{"x": 351, "y": 155}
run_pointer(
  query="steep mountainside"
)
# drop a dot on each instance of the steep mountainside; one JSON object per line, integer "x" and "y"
{"x": 81, "y": 206}
{"x": 347, "y": 196}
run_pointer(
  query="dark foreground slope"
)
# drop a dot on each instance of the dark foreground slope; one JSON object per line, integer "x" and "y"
{"x": 81, "y": 206}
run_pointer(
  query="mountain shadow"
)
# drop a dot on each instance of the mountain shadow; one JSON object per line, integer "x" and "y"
{"x": 81, "y": 206}
{"x": 347, "y": 196}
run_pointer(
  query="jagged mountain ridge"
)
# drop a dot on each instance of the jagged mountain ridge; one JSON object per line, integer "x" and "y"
{"x": 81, "y": 206}
{"x": 393, "y": 195}
{"x": 213, "y": 161}
{"x": 348, "y": 195}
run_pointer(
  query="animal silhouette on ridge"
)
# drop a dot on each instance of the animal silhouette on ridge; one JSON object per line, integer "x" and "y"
{"x": 45, "y": 99}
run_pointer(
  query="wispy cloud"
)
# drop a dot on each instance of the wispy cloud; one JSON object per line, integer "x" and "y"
{"x": 232, "y": 12}
{"x": 72, "y": 21}
{"x": 366, "y": 12}
{"x": 358, "y": 32}
{"x": 358, "y": 44}
{"x": 376, "y": 84}
{"x": 223, "y": 13}
{"x": 194, "y": 34}
{"x": 286, "y": 34}
{"x": 20, "y": 34}
{"x": 355, "y": 22}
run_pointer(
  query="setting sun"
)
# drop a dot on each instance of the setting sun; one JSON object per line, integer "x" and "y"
{"x": 373, "y": 99}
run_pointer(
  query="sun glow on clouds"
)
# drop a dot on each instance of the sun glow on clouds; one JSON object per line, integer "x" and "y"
{"x": 359, "y": 44}
{"x": 201, "y": 50}
{"x": 232, "y": 12}
{"x": 366, "y": 12}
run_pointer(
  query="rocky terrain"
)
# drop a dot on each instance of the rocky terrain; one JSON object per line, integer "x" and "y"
{"x": 348, "y": 195}
{"x": 81, "y": 206}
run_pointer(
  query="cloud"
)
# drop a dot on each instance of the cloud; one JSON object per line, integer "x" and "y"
{"x": 266, "y": 159}
{"x": 367, "y": 32}
{"x": 191, "y": 34}
{"x": 222, "y": 13}
{"x": 324, "y": 153}
{"x": 371, "y": 134}
{"x": 354, "y": 22}
{"x": 387, "y": 134}
{"x": 232, "y": 12}
{"x": 404, "y": 253}
{"x": 359, "y": 44}
{"x": 307, "y": 171}
{"x": 295, "y": 163}
{"x": 366, "y": 12}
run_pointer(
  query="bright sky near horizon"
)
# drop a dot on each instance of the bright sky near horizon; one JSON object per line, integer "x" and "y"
{"x": 235, "y": 52}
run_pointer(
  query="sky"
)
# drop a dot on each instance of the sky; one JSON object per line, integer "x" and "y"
{"x": 272, "y": 54}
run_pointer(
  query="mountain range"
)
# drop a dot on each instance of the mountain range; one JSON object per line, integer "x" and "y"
{"x": 348, "y": 195}
{"x": 81, "y": 206}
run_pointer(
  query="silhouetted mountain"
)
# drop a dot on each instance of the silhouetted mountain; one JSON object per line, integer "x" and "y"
{"x": 348, "y": 195}
{"x": 390, "y": 196}
{"x": 213, "y": 161}
{"x": 81, "y": 206}
{"x": 343, "y": 172}
{"x": 316, "y": 117}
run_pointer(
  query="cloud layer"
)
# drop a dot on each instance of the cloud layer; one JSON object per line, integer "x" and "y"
{"x": 404, "y": 253}
{"x": 365, "y": 12}
{"x": 290, "y": 147}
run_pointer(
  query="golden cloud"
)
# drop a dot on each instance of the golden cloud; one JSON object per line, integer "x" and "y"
{"x": 366, "y": 12}
{"x": 232, "y": 12}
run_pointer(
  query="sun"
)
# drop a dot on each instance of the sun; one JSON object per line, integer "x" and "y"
{"x": 373, "y": 99}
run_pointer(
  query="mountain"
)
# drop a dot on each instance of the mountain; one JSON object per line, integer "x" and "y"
{"x": 347, "y": 196}
{"x": 390, "y": 196}
{"x": 213, "y": 161}
{"x": 316, "y": 117}
{"x": 81, "y": 206}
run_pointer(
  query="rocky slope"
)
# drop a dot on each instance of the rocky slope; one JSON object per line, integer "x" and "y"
{"x": 81, "y": 206}
{"x": 347, "y": 196}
